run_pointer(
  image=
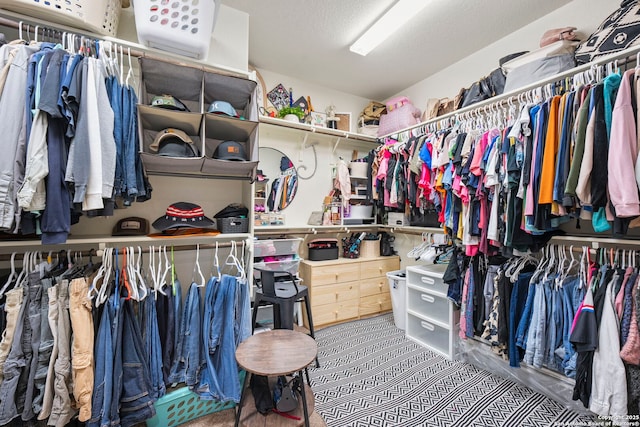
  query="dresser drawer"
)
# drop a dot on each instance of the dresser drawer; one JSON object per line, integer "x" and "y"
{"x": 430, "y": 335}
{"x": 332, "y": 313}
{"x": 379, "y": 285}
{"x": 375, "y": 304}
{"x": 378, "y": 267}
{"x": 329, "y": 294}
{"x": 427, "y": 304}
{"x": 428, "y": 278}
{"x": 334, "y": 273}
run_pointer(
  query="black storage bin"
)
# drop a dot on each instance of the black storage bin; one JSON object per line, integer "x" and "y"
{"x": 233, "y": 225}
{"x": 323, "y": 249}
{"x": 426, "y": 218}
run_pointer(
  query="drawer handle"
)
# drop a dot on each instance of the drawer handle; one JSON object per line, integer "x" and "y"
{"x": 427, "y": 298}
{"x": 427, "y": 280}
{"x": 337, "y": 295}
{"x": 428, "y": 326}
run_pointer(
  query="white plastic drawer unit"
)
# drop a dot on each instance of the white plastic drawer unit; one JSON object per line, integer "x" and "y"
{"x": 276, "y": 247}
{"x": 428, "y": 278}
{"x": 429, "y": 334}
{"x": 434, "y": 306}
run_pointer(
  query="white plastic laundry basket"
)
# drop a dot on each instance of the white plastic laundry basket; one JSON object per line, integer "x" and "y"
{"x": 398, "y": 288}
{"x": 97, "y": 16}
{"x": 178, "y": 26}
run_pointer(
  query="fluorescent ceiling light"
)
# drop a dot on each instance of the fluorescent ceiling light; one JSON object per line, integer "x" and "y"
{"x": 391, "y": 21}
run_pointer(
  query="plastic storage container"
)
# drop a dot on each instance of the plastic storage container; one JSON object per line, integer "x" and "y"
{"x": 398, "y": 288}
{"x": 276, "y": 247}
{"x": 98, "y": 16}
{"x": 182, "y": 405}
{"x": 323, "y": 249}
{"x": 178, "y": 26}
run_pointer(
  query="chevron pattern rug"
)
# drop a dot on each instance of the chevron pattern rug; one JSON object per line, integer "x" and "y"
{"x": 371, "y": 375}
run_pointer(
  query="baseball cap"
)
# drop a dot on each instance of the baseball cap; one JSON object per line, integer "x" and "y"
{"x": 230, "y": 150}
{"x": 222, "y": 107}
{"x": 131, "y": 226}
{"x": 175, "y": 143}
{"x": 169, "y": 102}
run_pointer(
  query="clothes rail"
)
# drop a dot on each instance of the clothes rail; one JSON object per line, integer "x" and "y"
{"x": 13, "y": 20}
{"x": 630, "y": 55}
{"x": 145, "y": 249}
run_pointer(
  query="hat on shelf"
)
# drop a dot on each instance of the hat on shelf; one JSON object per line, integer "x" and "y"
{"x": 131, "y": 226}
{"x": 230, "y": 150}
{"x": 222, "y": 107}
{"x": 169, "y": 102}
{"x": 183, "y": 214}
{"x": 175, "y": 143}
{"x": 260, "y": 176}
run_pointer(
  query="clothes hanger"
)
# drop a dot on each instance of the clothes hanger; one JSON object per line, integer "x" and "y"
{"x": 231, "y": 259}
{"x": 196, "y": 268}
{"x": 93, "y": 291}
{"x": 216, "y": 263}
{"x": 108, "y": 261}
{"x": 126, "y": 276}
{"x": 130, "y": 71}
{"x": 143, "y": 289}
{"x": 12, "y": 275}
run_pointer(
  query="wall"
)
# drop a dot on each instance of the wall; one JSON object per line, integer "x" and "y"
{"x": 311, "y": 191}
{"x": 321, "y": 97}
{"x": 586, "y": 15}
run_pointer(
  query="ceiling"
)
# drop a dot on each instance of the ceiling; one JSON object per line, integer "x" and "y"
{"x": 310, "y": 40}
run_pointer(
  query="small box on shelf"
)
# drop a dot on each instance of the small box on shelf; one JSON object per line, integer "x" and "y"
{"x": 397, "y": 218}
{"x": 233, "y": 225}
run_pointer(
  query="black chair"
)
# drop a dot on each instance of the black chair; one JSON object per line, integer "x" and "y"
{"x": 282, "y": 295}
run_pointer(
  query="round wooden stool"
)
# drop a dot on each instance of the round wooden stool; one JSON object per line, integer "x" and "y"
{"x": 275, "y": 353}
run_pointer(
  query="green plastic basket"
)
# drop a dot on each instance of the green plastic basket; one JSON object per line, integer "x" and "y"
{"x": 182, "y": 405}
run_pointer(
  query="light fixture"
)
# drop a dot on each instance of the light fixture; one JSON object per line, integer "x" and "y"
{"x": 396, "y": 17}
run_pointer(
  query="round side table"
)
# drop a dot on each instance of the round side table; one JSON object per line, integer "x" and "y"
{"x": 274, "y": 353}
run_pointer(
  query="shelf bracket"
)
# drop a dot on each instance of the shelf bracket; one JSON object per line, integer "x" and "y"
{"x": 304, "y": 141}
{"x": 335, "y": 147}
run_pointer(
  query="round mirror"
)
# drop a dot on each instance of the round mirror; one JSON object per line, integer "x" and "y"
{"x": 278, "y": 182}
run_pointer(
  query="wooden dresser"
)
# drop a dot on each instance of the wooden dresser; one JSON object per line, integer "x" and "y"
{"x": 347, "y": 289}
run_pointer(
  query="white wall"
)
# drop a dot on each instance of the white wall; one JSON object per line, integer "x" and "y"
{"x": 321, "y": 97}
{"x": 312, "y": 191}
{"x": 586, "y": 15}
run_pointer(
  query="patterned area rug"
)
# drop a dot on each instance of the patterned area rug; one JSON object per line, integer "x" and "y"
{"x": 371, "y": 375}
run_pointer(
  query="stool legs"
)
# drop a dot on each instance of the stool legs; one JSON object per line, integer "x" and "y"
{"x": 254, "y": 314}
{"x": 242, "y": 397}
{"x": 307, "y": 306}
{"x": 304, "y": 400}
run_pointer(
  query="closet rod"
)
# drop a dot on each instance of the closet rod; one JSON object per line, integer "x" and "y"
{"x": 11, "y": 23}
{"x": 628, "y": 53}
{"x": 145, "y": 250}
